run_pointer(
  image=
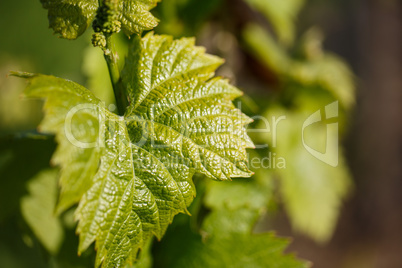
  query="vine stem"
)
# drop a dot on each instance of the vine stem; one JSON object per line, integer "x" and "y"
{"x": 118, "y": 88}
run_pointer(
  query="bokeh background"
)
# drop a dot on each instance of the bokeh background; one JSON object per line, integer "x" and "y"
{"x": 289, "y": 57}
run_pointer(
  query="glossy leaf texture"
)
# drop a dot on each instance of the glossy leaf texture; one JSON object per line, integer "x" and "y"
{"x": 175, "y": 98}
{"x": 70, "y": 18}
{"x": 133, "y": 174}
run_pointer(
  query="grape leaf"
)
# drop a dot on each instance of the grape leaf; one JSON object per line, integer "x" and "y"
{"x": 70, "y": 18}
{"x": 133, "y": 174}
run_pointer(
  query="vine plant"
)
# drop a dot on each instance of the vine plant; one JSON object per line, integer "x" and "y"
{"x": 131, "y": 172}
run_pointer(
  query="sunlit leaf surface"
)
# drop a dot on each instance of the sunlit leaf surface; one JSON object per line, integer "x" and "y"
{"x": 131, "y": 175}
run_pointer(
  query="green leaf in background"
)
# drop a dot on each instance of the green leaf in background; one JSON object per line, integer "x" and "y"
{"x": 133, "y": 174}
{"x": 281, "y": 14}
{"x": 70, "y": 18}
{"x": 227, "y": 241}
{"x": 312, "y": 191}
{"x": 38, "y": 210}
{"x": 328, "y": 72}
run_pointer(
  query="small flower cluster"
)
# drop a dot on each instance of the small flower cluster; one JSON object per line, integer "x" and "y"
{"x": 99, "y": 40}
{"x": 106, "y": 23}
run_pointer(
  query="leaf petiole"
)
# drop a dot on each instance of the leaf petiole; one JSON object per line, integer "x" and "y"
{"x": 119, "y": 92}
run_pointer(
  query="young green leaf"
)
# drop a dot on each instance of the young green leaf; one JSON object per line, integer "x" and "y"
{"x": 135, "y": 16}
{"x": 70, "y": 18}
{"x": 133, "y": 174}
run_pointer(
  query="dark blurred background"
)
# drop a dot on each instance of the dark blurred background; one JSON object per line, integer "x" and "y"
{"x": 367, "y": 34}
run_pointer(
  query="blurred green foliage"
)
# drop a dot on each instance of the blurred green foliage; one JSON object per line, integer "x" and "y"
{"x": 38, "y": 209}
{"x": 184, "y": 17}
{"x": 308, "y": 79}
{"x": 282, "y": 16}
{"x": 226, "y": 240}
{"x": 22, "y": 157}
{"x": 33, "y": 231}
